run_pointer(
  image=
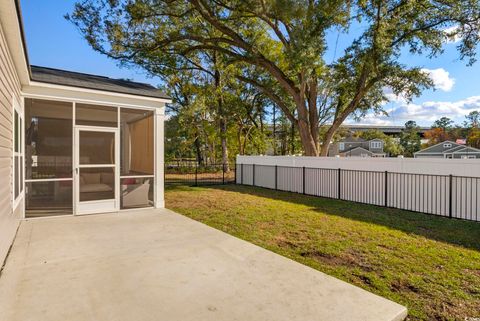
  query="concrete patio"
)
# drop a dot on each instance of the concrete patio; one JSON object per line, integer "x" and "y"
{"x": 159, "y": 265}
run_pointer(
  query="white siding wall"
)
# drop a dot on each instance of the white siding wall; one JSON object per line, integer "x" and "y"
{"x": 9, "y": 90}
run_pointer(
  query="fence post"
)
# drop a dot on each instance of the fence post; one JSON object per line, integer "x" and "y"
{"x": 303, "y": 182}
{"x": 276, "y": 175}
{"x": 241, "y": 174}
{"x": 386, "y": 189}
{"x": 235, "y": 172}
{"x": 339, "y": 183}
{"x": 450, "y": 196}
{"x": 253, "y": 175}
{"x": 196, "y": 174}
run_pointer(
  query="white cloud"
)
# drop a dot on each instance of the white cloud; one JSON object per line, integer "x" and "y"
{"x": 441, "y": 78}
{"x": 425, "y": 113}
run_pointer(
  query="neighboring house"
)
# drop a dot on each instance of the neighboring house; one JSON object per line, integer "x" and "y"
{"x": 72, "y": 143}
{"x": 448, "y": 149}
{"x": 357, "y": 147}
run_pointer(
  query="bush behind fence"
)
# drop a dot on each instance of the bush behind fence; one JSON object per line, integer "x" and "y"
{"x": 443, "y": 195}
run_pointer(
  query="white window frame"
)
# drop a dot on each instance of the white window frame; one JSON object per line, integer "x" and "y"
{"x": 17, "y": 108}
{"x": 341, "y": 146}
{"x": 376, "y": 144}
{"x": 447, "y": 145}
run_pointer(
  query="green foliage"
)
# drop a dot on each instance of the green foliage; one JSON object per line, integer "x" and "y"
{"x": 409, "y": 139}
{"x": 445, "y": 129}
{"x": 473, "y": 138}
{"x": 279, "y": 47}
{"x": 444, "y": 123}
{"x": 473, "y": 119}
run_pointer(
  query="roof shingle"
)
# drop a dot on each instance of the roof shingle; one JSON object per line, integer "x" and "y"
{"x": 81, "y": 80}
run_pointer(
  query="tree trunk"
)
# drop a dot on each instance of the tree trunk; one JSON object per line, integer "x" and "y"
{"x": 198, "y": 150}
{"x": 292, "y": 139}
{"x": 223, "y": 134}
{"x": 222, "y": 120}
{"x": 326, "y": 140}
{"x": 306, "y": 137}
{"x": 274, "y": 134}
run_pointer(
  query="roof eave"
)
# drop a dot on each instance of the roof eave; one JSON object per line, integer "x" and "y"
{"x": 36, "y": 86}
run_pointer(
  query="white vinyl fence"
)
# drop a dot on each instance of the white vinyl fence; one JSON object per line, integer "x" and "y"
{"x": 449, "y": 195}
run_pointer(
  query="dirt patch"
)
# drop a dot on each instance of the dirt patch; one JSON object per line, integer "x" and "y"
{"x": 403, "y": 286}
{"x": 348, "y": 259}
{"x": 285, "y": 243}
{"x": 364, "y": 279}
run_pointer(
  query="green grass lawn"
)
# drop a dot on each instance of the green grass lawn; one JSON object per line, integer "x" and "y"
{"x": 427, "y": 263}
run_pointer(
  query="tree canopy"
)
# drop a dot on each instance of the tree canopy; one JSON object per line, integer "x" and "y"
{"x": 279, "y": 47}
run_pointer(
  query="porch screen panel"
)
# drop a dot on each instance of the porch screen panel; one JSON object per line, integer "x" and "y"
{"x": 96, "y": 115}
{"x": 48, "y": 198}
{"x": 97, "y": 147}
{"x": 136, "y": 158}
{"x": 137, "y": 146}
{"x": 97, "y": 184}
{"x": 48, "y": 157}
{"x": 48, "y": 139}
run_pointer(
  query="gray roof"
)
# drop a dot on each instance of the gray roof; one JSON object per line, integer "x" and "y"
{"x": 438, "y": 148}
{"x": 81, "y": 80}
{"x": 467, "y": 150}
{"x": 453, "y": 149}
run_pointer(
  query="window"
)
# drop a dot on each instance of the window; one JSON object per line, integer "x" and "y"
{"x": 469, "y": 156}
{"x": 447, "y": 145}
{"x": 17, "y": 153}
{"x": 376, "y": 144}
{"x": 342, "y": 146}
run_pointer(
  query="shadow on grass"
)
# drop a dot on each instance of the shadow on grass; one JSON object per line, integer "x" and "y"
{"x": 453, "y": 231}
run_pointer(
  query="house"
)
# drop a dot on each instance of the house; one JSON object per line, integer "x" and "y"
{"x": 448, "y": 149}
{"x": 72, "y": 143}
{"x": 357, "y": 147}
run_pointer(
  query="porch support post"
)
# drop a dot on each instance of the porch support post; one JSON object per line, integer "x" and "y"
{"x": 159, "y": 158}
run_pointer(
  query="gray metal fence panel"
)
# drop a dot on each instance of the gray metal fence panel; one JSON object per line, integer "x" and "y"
{"x": 265, "y": 176}
{"x": 449, "y": 196}
{"x": 321, "y": 182}
{"x": 290, "y": 179}
{"x": 362, "y": 186}
{"x": 465, "y": 194}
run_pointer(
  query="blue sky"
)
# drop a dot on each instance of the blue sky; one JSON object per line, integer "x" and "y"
{"x": 54, "y": 42}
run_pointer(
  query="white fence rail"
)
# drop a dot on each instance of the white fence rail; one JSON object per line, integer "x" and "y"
{"x": 444, "y": 195}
